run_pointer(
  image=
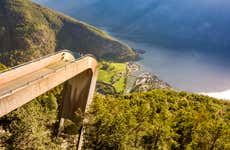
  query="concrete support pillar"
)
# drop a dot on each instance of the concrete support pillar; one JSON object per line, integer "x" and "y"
{"x": 22, "y": 84}
{"x": 90, "y": 98}
{"x": 78, "y": 94}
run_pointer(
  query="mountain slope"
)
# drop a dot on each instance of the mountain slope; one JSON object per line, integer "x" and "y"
{"x": 28, "y": 30}
{"x": 180, "y": 25}
{"x": 158, "y": 119}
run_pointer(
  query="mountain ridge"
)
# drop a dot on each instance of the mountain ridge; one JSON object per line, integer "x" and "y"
{"x": 169, "y": 24}
{"x": 29, "y": 30}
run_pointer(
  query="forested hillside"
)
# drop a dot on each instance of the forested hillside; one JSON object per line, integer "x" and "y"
{"x": 158, "y": 120}
{"x": 181, "y": 26}
{"x": 28, "y": 31}
{"x": 154, "y": 120}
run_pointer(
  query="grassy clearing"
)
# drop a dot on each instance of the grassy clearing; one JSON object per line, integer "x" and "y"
{"x": 114, "y": 74}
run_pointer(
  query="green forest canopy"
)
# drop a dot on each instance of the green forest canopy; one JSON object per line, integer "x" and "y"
{"x": 154, "y": 120}
{"x": 158, "y": 120}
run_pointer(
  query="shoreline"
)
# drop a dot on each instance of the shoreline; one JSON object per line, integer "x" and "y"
{"x": 221, "y": 95}
{"x": 178, "y": 86}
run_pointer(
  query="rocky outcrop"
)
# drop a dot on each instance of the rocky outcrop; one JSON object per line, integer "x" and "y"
{"x": 147, "y": 81}
{"x": 105, "y": 88}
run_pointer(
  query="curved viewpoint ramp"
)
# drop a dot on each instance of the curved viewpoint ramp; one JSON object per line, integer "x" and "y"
{"x": 22, "y": 84}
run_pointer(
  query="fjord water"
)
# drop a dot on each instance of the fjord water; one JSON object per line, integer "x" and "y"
{"x": 187, "y": 42}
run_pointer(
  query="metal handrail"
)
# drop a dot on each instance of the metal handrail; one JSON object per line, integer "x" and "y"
{"x": 46, "y": 56}
{"x": 44, "y": 75}
{"x": 10, "y": 91}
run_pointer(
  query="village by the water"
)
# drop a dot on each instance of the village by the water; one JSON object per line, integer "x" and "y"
{"x": 140, "y": 80}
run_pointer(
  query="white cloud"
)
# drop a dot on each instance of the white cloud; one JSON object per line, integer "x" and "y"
{"x": 220, "y": 95}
